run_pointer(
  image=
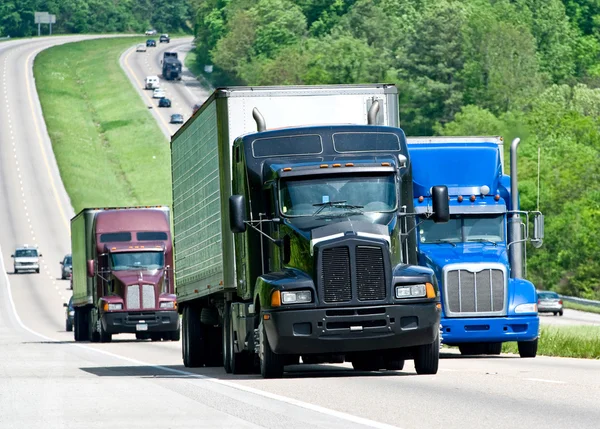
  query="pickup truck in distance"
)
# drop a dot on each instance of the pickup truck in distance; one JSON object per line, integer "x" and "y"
{"x": 299, "y": 241}
{"x": 122, "y": 274}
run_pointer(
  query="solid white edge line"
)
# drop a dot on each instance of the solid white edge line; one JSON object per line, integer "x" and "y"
{"x": 543, "y": 380}
{"x": 337, "y": 414}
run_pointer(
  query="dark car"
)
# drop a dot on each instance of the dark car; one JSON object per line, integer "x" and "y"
{"x": 67, "y": 267}
{"x": 177, "y": 119}
{"x": 196, "y": 107}
{"x": 549, "y": 302}
{"x": 164, "y": 38}
{"x": 164, "y": 102}
{"x": 69, "y": 314}
{"x": 151, "y": 43}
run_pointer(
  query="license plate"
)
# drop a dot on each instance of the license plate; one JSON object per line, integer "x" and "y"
{"x": 141, "y": 327}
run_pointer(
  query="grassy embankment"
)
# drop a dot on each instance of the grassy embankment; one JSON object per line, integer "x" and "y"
{"x": 109, "y": 148}
{"x": 580, "y": 307}
{"x": 566, "y": 341}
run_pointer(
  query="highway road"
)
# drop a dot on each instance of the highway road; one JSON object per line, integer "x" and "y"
{"x": 48, "y": 381}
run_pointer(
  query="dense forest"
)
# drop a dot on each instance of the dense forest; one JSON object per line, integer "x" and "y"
{"x": 527, "y": 68}
{"x": 95, "y": 16}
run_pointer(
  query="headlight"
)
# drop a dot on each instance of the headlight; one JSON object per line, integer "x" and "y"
{"x": 72, "y": 313}
{"x": 526, "y": 308}
{"x": 111, "y": 307}
{"x": 167, "y": 304}
{"x": 297, "y": 297}
{"x": 411, "y": 291}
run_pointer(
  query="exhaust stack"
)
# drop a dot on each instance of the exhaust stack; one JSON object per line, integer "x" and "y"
{"x": 261, "y": 125}
{"x": 372, "y": 113}
{"x": 516, "y": 248}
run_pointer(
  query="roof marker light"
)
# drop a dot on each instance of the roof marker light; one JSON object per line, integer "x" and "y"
{"x": 472, "y": 198}
{"x": 497, "y": 197}
{"x": 336, "y": 165}
{"x": 324, "y": 166}
{"x": 349, "y": 164}
{"x": 460, "y": 199}
{"x": 287, "y": 169}
{"x": 385, "y": 164}
{"x": 421, "y": 199}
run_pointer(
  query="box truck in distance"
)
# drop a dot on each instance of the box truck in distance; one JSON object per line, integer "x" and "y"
{"x": 122, "y": 274}
{"x": 298, "y": 241}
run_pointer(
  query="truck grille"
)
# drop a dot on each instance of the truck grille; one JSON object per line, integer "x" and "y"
{"x": 335, "y": 275}
{"x": 148, "y": 300}
{"x": 480, "y": 292}
{"x": 133, "y": 297}
{"x": 370, "y": 273}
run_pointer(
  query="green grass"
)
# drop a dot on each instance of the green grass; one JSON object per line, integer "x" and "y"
{"x": 109, "y": 148}
{"x": 581, "y": 307}
{"x": 566, "y": 341}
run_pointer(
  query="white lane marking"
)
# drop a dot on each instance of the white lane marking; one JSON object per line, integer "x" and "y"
{"x": 291, "y": 401}
{"x": 543, "y": 380}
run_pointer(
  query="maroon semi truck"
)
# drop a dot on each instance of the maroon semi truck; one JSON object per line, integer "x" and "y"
{"x": 123, "y": 274}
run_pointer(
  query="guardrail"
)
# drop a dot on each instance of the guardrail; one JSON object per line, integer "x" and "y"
{"x": 5, "y": 38}
{"x": 580, "y": 300}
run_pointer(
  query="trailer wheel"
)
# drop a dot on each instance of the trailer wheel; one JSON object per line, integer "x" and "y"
{"x": 227, "y": 341}
{"x": 427, "y": 358}
{"x": 271, "y": 364}
{"x": 528, "y": 349}
{"x": 195, "y": 341}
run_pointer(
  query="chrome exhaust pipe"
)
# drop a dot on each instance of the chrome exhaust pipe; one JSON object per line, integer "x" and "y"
{"x": 261, "y": 125}
{"x": 516, "y": 247}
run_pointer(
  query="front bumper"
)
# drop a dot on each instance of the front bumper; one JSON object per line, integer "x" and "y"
{"x": 30, "y": 266}
{"x": 127, "y": 321}
{"x": 352, "y": 329}
{"x": 489, "y": 329}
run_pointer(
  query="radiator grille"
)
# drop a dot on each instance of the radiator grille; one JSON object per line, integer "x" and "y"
{"x": 148, "y": 298}
{"x": 479, "y": 292}
{"x": 133, "y": 297}
{"x": 335, "y": 275}
{"x": 370, "y": 273}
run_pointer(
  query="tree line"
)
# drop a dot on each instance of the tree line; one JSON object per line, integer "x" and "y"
{"x": 527, "y": 68}
{"x": 95, "y": 16}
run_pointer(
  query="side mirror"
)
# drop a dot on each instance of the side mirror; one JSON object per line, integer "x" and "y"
{"x": 538, "y": 230}
{"x": 65, "y": 304}
{"x": 91, "y": 268}
{"x": 12, "y": 256}
{"x": 237, "y": 213}
{"x": 441, "y": 206}
{"x": 61, "y": 262}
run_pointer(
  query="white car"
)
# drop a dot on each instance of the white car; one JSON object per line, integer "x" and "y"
{"x": 141, "y": 47}
{"x": 151, "y": 82}
{"x": 151, "y": 32}
{"x": 159, "y": 93}
{"x": 26, "y": 259}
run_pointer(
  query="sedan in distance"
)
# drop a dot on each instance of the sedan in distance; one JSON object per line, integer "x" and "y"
{"x": 67, "y": 267}
{"x": 159, "y": 93}
{"x": 151, "y": 32}
{"x": 69, "y": 315}
{"x": 549, "y": 302}
{"x": 140, "y": 48}
{"x": 177, "y": 118}
{"x": 151, "y": 43}
{"x": 164, "y": 102}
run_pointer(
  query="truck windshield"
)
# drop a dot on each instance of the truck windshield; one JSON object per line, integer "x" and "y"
{"x": 137, "y": 260}
{"x": 26, "y": 253}
{"x": 460, "y": 229}
{"x": 337, "y": 195}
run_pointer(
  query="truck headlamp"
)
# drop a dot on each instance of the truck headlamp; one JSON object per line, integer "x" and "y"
{"x": 168, "y": 304}
{"x": 411, "y": 291}
{"x": 112, "y": 307}
{"x": 296, "y": 297}
{"x": 526, "y": 308}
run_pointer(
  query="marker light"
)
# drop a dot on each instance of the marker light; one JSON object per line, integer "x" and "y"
{"x": 497, "y": 197}
{"x": 385, "y": 164}
{"x": 472, "y": 198}
{"x": 349, "y": 164}
{"x": 324, "y": 166}
{"x": 276, "y": 299}
{"x": 460, "y": 198}
{"x": 287, "y": 169}
{"x": 336, "y": 165}
{"x": 421, "y": 199}
{"x": 112, "y": 307}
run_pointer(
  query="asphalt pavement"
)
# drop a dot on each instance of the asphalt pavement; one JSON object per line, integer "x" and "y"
{"x": 46, "y": 380}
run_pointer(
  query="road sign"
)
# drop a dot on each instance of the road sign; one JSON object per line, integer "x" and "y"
{"x": 42, "y": 17}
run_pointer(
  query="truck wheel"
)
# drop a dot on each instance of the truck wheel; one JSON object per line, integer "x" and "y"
{"x": 16, "y": 271}
{"x": 194, "y": 350}
{"x": 227, "y": 342}
{"x": 69, "y": 326}
{"x": 105, "y": 337}
{"x": 528, "y": 349}
{"x": 427, "y": 358}
{"x": 271, "y": 364}
{"x": 37, "y": 271}
{"x": 493, "y": 348}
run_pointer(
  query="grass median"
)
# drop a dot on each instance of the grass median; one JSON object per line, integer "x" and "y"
{"x": 109, "y": 149}
{"x": 566, "y": 341}
{"x": 581, "y": 307}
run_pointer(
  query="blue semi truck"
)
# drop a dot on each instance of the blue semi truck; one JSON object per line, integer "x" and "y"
{"x": 478, "y": 256}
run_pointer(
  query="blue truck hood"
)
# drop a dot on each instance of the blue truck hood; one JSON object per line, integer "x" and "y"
{"x": 436, "y": 256}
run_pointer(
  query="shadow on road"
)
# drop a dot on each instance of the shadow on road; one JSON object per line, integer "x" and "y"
{"x": 179, "y": 371}
{"x": 459, "y": 356}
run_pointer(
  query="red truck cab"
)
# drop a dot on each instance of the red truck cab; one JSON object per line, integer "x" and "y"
{"x": 128, "y": 286}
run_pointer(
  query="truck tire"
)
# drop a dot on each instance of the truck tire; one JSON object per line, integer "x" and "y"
{"x": 69, "y": 326}
{"x": 427, "y": 358}
{"x": 271, "y": 364}
{"x": 493, "y": 348}
{"x": 227, "y": 337}
{"x": 194, "y": 339}
{"x": 528, "y": 349}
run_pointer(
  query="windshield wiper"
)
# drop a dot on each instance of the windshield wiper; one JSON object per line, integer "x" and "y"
{"x": 443, "y": 241}
{"x": 482, "y": 240}
{"x": 339, "y": 204}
